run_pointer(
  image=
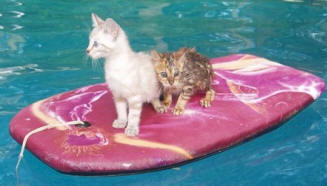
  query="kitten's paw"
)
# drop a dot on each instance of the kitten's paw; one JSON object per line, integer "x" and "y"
{"x": 161, "y": 109}
{"x": 205, "y": 102}
{"x": 119, "y": 124}
{"x": 178, "y": 111}
{"x": 131, "y": 131}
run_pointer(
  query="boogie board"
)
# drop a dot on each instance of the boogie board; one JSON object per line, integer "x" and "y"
{"x": 253, "y": 95}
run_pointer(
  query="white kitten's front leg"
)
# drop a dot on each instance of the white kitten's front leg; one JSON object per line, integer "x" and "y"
{"x": 121, "y": 109}
{"x": 134, "y": 114}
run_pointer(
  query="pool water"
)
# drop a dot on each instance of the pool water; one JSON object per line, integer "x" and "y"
{"x": 42, "y": 53}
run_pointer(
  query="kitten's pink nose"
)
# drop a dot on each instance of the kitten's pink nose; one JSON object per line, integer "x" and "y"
{"x": 88, "y": 50}
{"x": 171, "y": 81}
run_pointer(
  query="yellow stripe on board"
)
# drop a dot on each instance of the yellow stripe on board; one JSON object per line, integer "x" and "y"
{"x": 123, "y": 139}
{"x": 45, "y": 118}
{"x": 245, "y": 62}
{"x": 235, "y": 90}
{"x": 119, "y": 138}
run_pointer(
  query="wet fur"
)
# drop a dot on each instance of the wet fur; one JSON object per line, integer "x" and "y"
{"x": 184, "y": 73}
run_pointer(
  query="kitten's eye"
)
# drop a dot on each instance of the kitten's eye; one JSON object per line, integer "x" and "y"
{"x": 95, "y": 44}
{"x": 176, "y": 73}
{"x": 163, "y": 74}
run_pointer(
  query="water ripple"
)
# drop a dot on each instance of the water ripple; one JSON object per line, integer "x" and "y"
{"x": 269, "y": 154}
{"x": 18, "y": 70}
{"x": 13, "y": 42}
{"x": 7, "y": 151}
{"x": 294, "y": 1}
{"x": 19, "y": 3}
{"x": 16, "y": 27}
{"x": 18, "y": 14}
{"x": 210, "y": 14}
{"x": 153, "y": 10}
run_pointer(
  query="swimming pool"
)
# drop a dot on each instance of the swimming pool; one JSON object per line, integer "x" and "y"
{"x": 42, "y": 47}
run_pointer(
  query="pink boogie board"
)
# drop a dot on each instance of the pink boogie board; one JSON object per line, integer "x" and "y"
{"x": 253, "y": 95}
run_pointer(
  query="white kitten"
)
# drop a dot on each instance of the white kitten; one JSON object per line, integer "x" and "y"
{"x": 129, "y": 75}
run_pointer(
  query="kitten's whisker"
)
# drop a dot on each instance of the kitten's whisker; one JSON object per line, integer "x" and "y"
{"x": 85, "y": 59}
{"x": 95, "y": 65}
{"x": 92, "y": 63}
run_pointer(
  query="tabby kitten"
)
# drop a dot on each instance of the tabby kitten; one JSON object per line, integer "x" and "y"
{"x": 183, "y": 72}
{"x": 130, "y": 75}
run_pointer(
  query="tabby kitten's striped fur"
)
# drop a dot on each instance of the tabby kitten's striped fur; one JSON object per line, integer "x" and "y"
{"x": 183, "y": 72}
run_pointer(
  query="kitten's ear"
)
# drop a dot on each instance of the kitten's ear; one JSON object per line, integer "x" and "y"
{"x": 111, "y": 27}
{"x": 182, "y": 58}
{"x": 155, "y": 55}
{"x": 96, "y": 20}
{"x": 193, "y": 49}
{"x": 179, "y": 53}
{"x": 181, "y": 61}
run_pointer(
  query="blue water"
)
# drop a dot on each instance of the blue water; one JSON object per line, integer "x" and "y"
{"x": 42, "y": 47}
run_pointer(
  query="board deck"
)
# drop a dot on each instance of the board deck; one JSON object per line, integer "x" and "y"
{"x": 253, "y": 94}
